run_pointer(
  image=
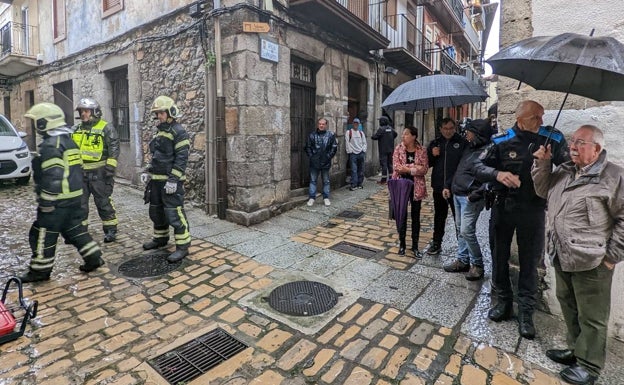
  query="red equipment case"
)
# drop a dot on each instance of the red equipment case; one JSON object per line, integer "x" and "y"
{"x": 7, "y": 320}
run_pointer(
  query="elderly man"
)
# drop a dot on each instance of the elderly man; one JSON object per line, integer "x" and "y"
{"x": 507, "y": 163}
{"x": 585, "y": 241}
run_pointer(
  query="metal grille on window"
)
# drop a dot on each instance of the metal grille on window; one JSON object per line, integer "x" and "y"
{"x": 120, "y": 106}
{"x": 108, "y": 4}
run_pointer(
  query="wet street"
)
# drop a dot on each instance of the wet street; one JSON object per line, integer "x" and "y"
{"x": 396, "y": 319}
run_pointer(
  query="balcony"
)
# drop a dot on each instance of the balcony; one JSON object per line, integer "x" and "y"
{"x": 449, "y": 66}
{"x": 448, "y": 13}
{"x": 350, "y": 19}
{"x": 409, "y": 50}
{"x": 18, "y": 49}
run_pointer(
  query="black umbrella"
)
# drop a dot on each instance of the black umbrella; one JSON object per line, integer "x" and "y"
{"x": 435, "y": 91}
{"x": 583, "y": 65}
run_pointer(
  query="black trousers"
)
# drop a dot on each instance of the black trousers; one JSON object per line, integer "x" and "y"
{"x": 168, "y": 210}
{"x": 415, "y": 216}
{"x": 527, "y": 222}
{"x": 440, "y": 213}
{"x": 95, "y": 183}
{"x": 44, "y": 234}
{"x": 385, "y": 161}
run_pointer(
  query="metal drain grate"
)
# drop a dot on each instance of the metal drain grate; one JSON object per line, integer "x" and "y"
{"x": 151, "y": 265}
{"x": 356, "y": 250}
{"x": 196, "y": 357}
{"x": 330, "y": 225}
{"x": 302, "y": 298}
{"x": 350, "y": 214}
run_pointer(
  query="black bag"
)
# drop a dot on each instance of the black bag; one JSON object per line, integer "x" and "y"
{"x": 147, "y": 193}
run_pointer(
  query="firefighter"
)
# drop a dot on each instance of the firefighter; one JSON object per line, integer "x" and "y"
{"x": 58, "y": 185}
{"x": 99, "y": 147}
{"x": 164, "y": 177}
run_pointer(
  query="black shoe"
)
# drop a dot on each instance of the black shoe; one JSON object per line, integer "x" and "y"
{"x": 402, "y": 250}
{"x": 155, "y": 244}
{"x": 110, "y": 236}
{"x": 91, "y": 264}
{"x": 360, "y": 187}
{"x": 178, "y": 255}
{"x": 501, "y": 311}
{"x": 577, "y": 375}
{"x": 561, "y": 356}
{"x": 352, "y": 188}
{"x": 35, "y": 276}
{"x": 526, "y": 326}
{"x": 434, "y": 249}
{"x": 417, "y": 254}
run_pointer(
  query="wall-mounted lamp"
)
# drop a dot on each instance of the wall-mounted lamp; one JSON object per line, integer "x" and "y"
{"x": 391, "y": 70}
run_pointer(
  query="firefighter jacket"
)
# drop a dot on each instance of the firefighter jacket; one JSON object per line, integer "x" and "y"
{"x": 170, "y": 152}
{"x": 58, "y": 172}
{"x": 98, "y": 143}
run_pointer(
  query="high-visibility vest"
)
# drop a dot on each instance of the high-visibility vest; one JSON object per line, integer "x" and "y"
{"x": 90, "y": 142}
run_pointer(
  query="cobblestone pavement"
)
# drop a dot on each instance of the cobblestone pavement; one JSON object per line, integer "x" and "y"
{"x": 398, "y": 320}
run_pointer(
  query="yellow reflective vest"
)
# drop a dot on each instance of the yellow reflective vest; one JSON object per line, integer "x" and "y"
{"x": 90, "y": 142}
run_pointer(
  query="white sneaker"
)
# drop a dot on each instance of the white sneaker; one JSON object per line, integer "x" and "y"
{"x": 310, "y": 202}
{"x": 327, "y": 202}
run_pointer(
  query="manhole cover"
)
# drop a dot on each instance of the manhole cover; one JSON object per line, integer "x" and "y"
{"x": 355, "y": 249}
{"x": 151, "y": 265}
{"x": 303, "y": 298}
{"x": 196, "y": 357}
{"x": 350, "y": 214}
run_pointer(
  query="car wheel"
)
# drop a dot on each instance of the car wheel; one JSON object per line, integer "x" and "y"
{"x": 23, "y": 181}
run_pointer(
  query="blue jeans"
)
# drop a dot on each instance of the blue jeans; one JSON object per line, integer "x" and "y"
{"x": 466, "y": 216}
{"x": 357, "y": 168}
{"x": 314, "y": 173}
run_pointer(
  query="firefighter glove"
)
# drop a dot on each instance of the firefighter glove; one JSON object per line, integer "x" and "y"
{"x": 171, "y": 187}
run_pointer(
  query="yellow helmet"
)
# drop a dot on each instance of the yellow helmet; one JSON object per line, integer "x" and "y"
{"x": 46, "y": 116}
{"x": 165, "y": 103}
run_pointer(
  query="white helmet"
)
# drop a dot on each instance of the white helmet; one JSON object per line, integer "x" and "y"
{"x": 90, "y": 104}
{"x": 46, "y": 116}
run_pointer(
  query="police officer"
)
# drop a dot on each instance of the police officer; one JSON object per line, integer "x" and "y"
{"x": 58, "y": 185}
{"x": 165, "y": 174}
{"x": 518, "y": 209}
{"x": 99, "y": 147}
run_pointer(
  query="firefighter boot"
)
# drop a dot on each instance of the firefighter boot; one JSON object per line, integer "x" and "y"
{"x": 179, "y": 254}
{"x": 35, "y": 276}
{"x": 91, "y": 264}
{"x": 110, "y": 235}
{"x": 155, "y": 243}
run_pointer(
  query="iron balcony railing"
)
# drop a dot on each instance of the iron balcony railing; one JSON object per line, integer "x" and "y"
{"x": 458, "y": 8}
{"x": 402, "y": 33}
{"x": 448, "y": 65}
{"x": 18, "y": 39}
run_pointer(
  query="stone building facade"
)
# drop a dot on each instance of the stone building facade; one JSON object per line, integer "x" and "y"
{"x": 523, "y": 19}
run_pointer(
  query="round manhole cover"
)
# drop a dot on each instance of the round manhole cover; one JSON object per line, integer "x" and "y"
{"x": 150, "y": 265}
{"x": 303, "y": 298}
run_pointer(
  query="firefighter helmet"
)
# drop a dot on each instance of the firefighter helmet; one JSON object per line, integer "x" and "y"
{"x": 46, "y": 116}
{"x": 90, "y": 104}
{"x": 165, "y": 103}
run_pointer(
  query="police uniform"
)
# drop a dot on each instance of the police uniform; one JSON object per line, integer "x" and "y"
{"x": 170, "y": 152}
{"x": 99, "y": 148}
{"x": 518, "y": 210}
{"x": 57, "y": 173}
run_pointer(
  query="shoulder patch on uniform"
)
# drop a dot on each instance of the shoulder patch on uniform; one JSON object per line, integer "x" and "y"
{"x": 503, "y": 136}
{"x": 554, "y": 134}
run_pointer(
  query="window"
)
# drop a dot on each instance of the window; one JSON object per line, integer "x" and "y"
{"x": 64, "y": 98}
{"x": 110, "y": 7}
{"x": 59, "y": 19}
{"x": 391, "y": 13}
{"x": 120, "y": 107}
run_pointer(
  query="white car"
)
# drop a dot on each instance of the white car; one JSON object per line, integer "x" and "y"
{"x": 15, "y": 157}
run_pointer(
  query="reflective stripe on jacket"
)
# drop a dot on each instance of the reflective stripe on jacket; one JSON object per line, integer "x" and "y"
{"x": 170, "y": 151}
{"x": 98, "y": 144}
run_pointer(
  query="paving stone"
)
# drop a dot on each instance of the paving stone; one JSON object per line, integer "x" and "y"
{"x": 351, "y": 312}
{"x": 395, "y": 362}
{"x": 455, "y": 300}
{"x": 349, "y": 333}
{"x": 471, "y": 375}
{"x": 296, "y": 354}
{"x": 374, "y": 358}
{"x": 273, "y": 340}
{"x": 374, "y": 328}
{"x": 369, "y": 314}
{"x": 396, "y": 288}
{"x": 402, "y": 325}
{"x": 503, "y": 379}
{"x": 412, "y": 379}
{"x": 443, "y": 379}
{"x": 333, "y": 372}
{"x": 424, "y": 359}
{"x": 454, "y": 365}
{"x": 359, "y": 376}
{"x": 354, "y": 348}
{"x": 319, "y": 362}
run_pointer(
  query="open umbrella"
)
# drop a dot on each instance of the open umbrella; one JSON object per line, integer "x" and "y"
{"x": 434, "y": 91}
{"x": 400, "y": 190}
{"x": 582, "y": 65}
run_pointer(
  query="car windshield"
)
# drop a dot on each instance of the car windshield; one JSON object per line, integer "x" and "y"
{"x": 5, "y": 128}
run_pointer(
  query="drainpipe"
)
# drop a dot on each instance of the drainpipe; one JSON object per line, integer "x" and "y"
{"x": 210, "y": 124}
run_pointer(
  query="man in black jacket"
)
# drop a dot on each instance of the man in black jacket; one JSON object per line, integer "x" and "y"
{"x": 321, "y": 147}
{"x": 518, "y": 210}
{"x": 444, "y": 153}
{"x": 385, "y": 136}
{"x": 468, "y": 204}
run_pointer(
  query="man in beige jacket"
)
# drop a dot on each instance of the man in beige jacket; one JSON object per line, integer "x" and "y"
{"x": 585, "y": 241}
